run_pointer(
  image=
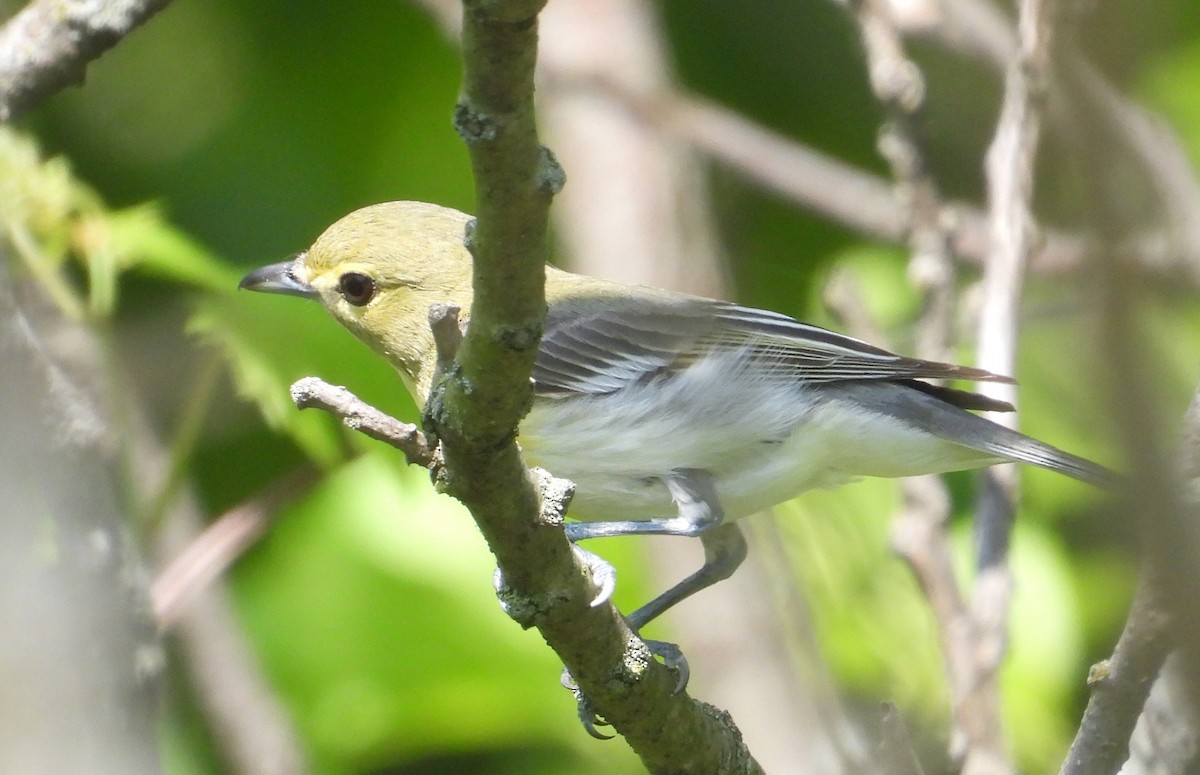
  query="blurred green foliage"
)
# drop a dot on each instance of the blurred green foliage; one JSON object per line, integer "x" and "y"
{"x": 225, "y": 135}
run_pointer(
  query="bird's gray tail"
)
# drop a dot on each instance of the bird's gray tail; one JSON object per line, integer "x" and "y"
{"x": 937, "y": 416}
{"x": 1012, "y": 445}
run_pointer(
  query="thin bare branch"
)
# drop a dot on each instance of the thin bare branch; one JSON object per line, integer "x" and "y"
{"x": 859, "y": 200}
{"x": 313, "y": 393}
{"x": 919, "y": 537}
{"x": 1163, "y": 161}
{"x": 981, "y": 29}
{"x": 1009, "y": 167}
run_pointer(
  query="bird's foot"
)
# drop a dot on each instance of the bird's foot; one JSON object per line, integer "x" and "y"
{"x": 524, "y": 610}
{"x": 671, "y": 656}
{"x": 587, "y": 716}
{"x": 601, "y": 572}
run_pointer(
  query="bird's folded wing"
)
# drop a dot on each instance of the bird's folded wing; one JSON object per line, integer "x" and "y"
{"x": 590, "y": 348}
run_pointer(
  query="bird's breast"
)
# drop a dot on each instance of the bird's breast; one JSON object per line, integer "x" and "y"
{"x": 617, "y": 447}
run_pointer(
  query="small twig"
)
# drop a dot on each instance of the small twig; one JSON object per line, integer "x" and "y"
{"x": 48, "y": 45}
{"x": 919, "y": 537}
{"x": 314, "y": 393}
{"x": 447, "y": 334}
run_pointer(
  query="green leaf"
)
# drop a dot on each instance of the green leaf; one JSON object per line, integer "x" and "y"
{"x": 142, "y": 239}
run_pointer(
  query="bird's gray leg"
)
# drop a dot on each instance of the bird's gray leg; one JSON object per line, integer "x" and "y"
{"x": 698, "y": 510}
{"x": 699, "y": 514}
{"x": 724, "y": 551}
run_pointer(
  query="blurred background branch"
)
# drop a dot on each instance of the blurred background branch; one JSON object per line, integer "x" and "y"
{"x": 48, "y": 45}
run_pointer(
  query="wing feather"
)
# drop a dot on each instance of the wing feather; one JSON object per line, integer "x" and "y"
{"x": 590, "y": 348}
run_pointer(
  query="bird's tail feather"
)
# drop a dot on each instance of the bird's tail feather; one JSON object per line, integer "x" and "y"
{"x": 938, "y": 417}
{"x": 1012, "y": 445}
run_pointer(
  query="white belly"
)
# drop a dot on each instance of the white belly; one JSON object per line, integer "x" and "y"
{"x": 763, "y": 441}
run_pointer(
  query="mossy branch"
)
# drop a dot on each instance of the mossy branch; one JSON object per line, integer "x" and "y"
{"x": 480, "y": 398}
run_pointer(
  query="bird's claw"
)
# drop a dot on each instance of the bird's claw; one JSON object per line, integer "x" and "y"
{"x": 587, "y": 716}
{"x": 672, "y": 658}
{"x": 604, "y": 575}
{"x": 604, "y": 581}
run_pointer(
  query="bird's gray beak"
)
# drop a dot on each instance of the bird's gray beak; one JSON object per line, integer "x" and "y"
{"x": 278, "y": 278}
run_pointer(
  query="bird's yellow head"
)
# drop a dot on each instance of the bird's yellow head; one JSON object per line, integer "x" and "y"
{"x": 377, "y": 271}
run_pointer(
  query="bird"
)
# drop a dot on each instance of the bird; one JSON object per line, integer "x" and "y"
{"x": 672, "y": 414}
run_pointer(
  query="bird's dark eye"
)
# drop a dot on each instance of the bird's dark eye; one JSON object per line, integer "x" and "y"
{"x": 356, "y": 288}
